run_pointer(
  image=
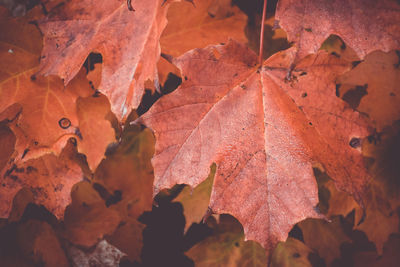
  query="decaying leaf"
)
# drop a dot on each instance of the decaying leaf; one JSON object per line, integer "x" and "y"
{"x": 48, "y": 114}
{"x": 209, "y": 22}
{"x": 263, "y": 144}
{"x": 50, "y": 178}
{"x": 87, "y": 219}
{"x": 39, "y": 243}
{"x": 124, "y": 180}
{"x": 375, "y": 81}
{"x": 380, "y": 218}
{"x": 196, "y": 201}
{"x": 309, "y": 23}
{"x": 128, "y": 42}
{"x": 227, "y": 247}
{"x": 291, "y": 253}
{"x": 389, "y": 258}
{"x": 324, "y": 237}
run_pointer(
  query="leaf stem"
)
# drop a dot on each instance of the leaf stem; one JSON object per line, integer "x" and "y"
{"x": 260, "y": 54}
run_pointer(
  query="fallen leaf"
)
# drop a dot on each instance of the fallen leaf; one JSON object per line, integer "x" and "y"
{"x": 49, "y": 114}
{"x": 195, "y": 201}
{"x": 376, "y": 80}
{"x": 124, "y": 180}
{"x": 39, "y": 243}
{"x": 87, "y": 219}
{"x": 209, "y": 22}
{"x": 50, "y": 178}
{"x": 7, "y": 142}
{"x": 336, "y": 46}
{"x": 128, "y": 42}
{"x": 291, "y": 253}
{"x": 263, "y": 144}
{"x": 96, "y": 131}
{"x": 309, "y": 23}
{"x": 379, "y": 218}
{"x": 324, "y": 237}
{"x": 21, "y": 199}
{"x": 227, "y": 247}
{"x": 340, "y": 203}
{"x": 389, "y": 258}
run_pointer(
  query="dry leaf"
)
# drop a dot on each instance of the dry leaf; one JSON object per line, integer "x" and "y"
{"x": 309, "y": 23}
{"x": 128, "y": 42}
{"x": 263, "y": 144}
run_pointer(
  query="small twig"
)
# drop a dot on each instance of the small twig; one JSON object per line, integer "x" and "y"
{"x": 260, "y": 54}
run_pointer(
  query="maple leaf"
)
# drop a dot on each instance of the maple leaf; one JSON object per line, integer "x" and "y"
{"x": 324, "y": 237}
{"x": 49, "y": 177}
{"x": 291, "y": 253}
{"x": 195, "y": 201}
{"x": 379, "y": 218}
{"x": 124, "y": 180}
{"x": 263, "y": 144}
{"x": 128, "y": 42}
{"x": 390, "y": 255}
{"x": 308, "y": 24}
{"x": 46, "y": 114}
{"x": 81, "y": 219}
{"x": 210, "y": 22}
{"x": 227, "y": 247}
{"x": 376, "y": 79}
{"x": 38, "y": 241}
{"x": 94, "y": 128}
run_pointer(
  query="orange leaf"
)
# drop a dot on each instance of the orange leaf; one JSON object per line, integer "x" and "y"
{"x": 263, "y": 144}
{"x": 208, "y": 22}
{"x": 128, "y": 42}
{"x": 308, "y": 23}
{"x": 49, "y": 177}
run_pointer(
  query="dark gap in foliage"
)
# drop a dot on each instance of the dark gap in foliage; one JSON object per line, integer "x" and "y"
{"x": 93, "y": 58}
{"x": 149, "y": 99}
{"x": 297, "y": 233}
{"x": 353, "y": 96}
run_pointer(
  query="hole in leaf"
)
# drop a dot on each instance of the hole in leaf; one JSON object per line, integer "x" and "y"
{"x": 64, "y": 123}
{"x": 355, "y": 142}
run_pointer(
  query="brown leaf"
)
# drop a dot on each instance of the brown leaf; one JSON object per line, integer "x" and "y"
{"x": 227, "y": 247}
{"x": 195, "y": 201}
{"x": 20, "y": 201}
{"x": 7, "y": 142}
{"x": 389, "y": 258}
{"x": 379, "y": 218}
{"x": 309, "y": 23}
{"x": 291, "y": 253}
{"x": 87, "y": 219}
{"x": 128, "y": 42}
{"x": 376, "y": 79}
{"x": 124, "y": 180}
{"x": 39, "y": 243}
{"x": 324, "y": 237}
{"x": 263, "y": 144}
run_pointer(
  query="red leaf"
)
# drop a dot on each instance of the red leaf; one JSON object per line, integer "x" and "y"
{"x": 263, "y": 144}
{"x": 128, "y": 42}
{"x": 364, "y": 25}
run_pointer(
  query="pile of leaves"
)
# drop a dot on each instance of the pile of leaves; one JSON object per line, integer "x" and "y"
{"x": 148, "y": 132}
